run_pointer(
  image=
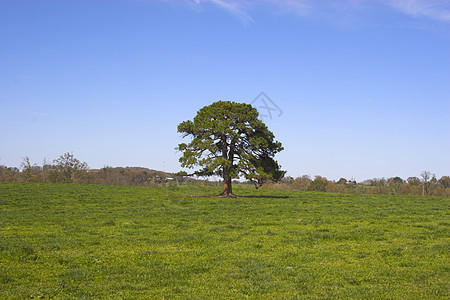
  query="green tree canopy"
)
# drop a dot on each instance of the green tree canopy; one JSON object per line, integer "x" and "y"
{"x": 445, "y": 181}
{"x": 230, "y": 141}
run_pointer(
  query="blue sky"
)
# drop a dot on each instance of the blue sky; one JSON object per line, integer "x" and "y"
{"x": 364, "y": 86}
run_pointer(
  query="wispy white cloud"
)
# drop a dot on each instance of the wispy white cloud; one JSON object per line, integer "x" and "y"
{"x": 242, "y": 8}
{"x": 433, "y": 9}
{"x": 237, "y": 8}
{"x": 438, "y": 10}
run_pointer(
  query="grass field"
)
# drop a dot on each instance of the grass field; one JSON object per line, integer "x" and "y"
{"x": 116, "y": 242}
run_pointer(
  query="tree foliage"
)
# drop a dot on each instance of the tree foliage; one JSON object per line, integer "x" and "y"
{"x": 67, "y": 168}
{"x": 413, "y": 181}
{"x": 319, "y": 184}
{"x": 445, "y": 181}
{"x": 230, "y": 141}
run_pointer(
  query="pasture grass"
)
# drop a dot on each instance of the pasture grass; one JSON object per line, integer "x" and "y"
{"x": 115, "y": 242}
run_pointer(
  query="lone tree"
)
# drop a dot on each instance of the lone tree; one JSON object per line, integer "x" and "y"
{"x": 229, "y": 140}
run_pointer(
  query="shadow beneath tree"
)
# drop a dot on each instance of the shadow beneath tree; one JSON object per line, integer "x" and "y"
{"x": 264, "y": 197}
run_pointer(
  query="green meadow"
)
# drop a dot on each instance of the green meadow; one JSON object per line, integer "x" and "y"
{"x": 67, "y": 241}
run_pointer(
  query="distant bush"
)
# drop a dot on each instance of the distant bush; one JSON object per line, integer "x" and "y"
{"x": 319, "y": 184}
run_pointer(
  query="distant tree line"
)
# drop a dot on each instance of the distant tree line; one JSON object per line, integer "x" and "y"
{"x": 426, "y": 184}
{"x": 68, "y": 169}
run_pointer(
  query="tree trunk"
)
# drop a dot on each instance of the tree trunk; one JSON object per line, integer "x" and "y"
{"x": 227, "y": 189}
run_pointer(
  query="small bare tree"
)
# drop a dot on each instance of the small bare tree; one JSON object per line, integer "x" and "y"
{"x": 425, "y": 179}
{"x": 67, "y": 168}
{"x": 26, "y": 167}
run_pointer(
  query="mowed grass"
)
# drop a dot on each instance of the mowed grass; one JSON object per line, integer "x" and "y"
{"x": 116, "y": 242}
